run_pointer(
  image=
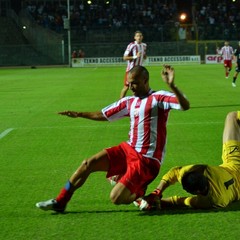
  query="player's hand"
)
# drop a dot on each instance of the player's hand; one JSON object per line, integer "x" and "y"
{"x": 139, "y": 54}
{"x": 150, "y": 202}
{"x": 168, "y": 74}
{"x": 154, "y": 199}
{"x": 71, "y": 114}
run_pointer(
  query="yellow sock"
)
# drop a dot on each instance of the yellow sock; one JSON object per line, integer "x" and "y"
{"x": 238, "y": 115}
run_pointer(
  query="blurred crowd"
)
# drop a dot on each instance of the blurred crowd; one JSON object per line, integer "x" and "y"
{"x": 212, "y": 17}
{"x": 112, "y": 14}
{"x": 218, "y": 19}
{"x": 217, "y": 12}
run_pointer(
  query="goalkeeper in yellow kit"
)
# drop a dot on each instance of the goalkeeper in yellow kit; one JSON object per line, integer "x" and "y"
{"x": 210, "y": 186}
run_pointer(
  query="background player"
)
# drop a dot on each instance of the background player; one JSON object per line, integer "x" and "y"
{"x": 227, "y": 53}
{"x": 237, "y": 60}
{"x": 134, "y": 54}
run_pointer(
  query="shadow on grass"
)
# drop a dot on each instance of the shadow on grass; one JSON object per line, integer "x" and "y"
{"x": 176, "y": 211}
{"x": 94, "y": 211}
{"x": 173, "y": 211}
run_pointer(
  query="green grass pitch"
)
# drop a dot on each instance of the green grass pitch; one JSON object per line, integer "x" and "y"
{"x": 40, "y": 150}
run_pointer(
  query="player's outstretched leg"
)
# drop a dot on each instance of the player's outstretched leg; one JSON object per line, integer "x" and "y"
{"x": 50, "y": 204}
{"x": 232, "y": 127}
{"x": 59, "y": 203}
{"x": 98, "y": 162}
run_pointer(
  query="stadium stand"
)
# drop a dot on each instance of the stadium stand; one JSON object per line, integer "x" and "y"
{"x": 104, "y": 19}
{"x": 103, "y": 30}
{"x": 15, "y": 49}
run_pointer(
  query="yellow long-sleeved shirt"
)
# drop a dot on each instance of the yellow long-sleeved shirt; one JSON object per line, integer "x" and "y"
{"x": 224, "y": 185}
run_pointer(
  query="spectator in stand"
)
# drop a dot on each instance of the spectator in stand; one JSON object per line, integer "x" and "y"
{"x": 227, "y": 53}
{"x": 182, "y": 33}
{"x": 81, "y": 54}
{"x": 134, "y": 54}
{"x": 74, "y": 54}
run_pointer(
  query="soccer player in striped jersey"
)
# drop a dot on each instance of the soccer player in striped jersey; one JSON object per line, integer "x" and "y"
{"x": 210, "y": 186}
{"x": 138, "y": 160}
{"x": 227, "y": 53}
{"x": 135, "y": 54}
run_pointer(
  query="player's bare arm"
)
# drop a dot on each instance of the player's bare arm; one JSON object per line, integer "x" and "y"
{"x": 97, "y": 116}
{"x": 138, "y": 55}
{"x": 168, "y": 76}
{"x": 235, "y": 60}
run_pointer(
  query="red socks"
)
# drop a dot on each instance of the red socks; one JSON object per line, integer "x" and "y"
{"x": 65, "y": 194}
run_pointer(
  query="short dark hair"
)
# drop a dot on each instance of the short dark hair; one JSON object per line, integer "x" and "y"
{"x": 137, "y": 32}
{"x": 194, "y": 181}
{"x": 140, "y": 70}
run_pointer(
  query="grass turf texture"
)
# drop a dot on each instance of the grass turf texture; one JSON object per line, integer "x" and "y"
{"x": 44, "y": 149}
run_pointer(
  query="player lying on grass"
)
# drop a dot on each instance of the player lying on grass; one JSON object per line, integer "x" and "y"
{"x": 138, "y": 160}
{"x": 212, "y": 186}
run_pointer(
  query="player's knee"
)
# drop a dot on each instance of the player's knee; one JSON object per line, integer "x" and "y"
{"x": 87, "y": 164}
{"x": 231, "y": 116}
{"x": 115, "y": 198}
{"x": 121, "y": 195}
{"x": 232, "y": 119}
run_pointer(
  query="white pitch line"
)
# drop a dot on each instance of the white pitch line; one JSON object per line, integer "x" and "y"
{"x": 4, "y": 133}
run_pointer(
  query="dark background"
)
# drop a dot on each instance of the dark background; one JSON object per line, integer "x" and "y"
{"x": 183, "y": 5}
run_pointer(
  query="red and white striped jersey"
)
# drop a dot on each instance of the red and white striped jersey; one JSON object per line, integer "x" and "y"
{"x": 148, "y": 119}
{"x": 226, "y": 52}
{"x": 132, "y": 49}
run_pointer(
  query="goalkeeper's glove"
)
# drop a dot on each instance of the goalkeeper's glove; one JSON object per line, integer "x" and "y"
{"x": 151, "y": 201}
